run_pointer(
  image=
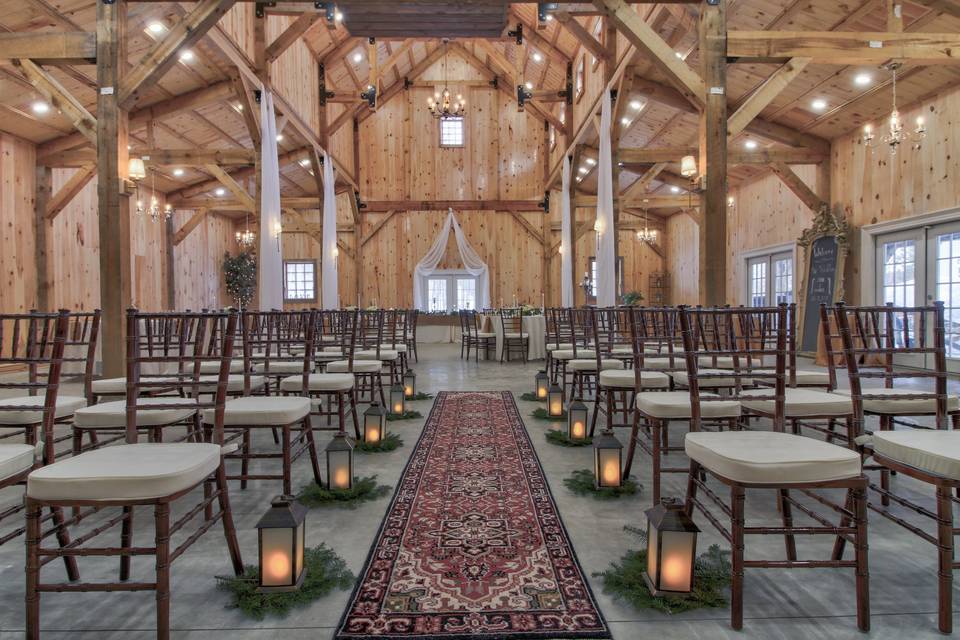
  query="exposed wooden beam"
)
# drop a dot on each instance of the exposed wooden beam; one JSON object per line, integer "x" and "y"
{"x": 579, "y": 32}
{"x": 844, "y": 48}
{"x": 662, "y": 55}
{"x": 393, "y": 90}
{"x": 248, "y": 108}
{"x": 640, "y": 184}
{"x": 538, "y": 41}
{"x": 648, "y": 156}
{"x": 377, "y": 227}
{"x": 189, "y": 226}
{"x": 529, "y": 228}
{"x": 61, "y": 99}
{"x": 291, "y": 34}
{"x": 379, "y": 206}
{"x": 632, "y": 157}
{"x": 241, "y": 194}
{"x": 68, "y": 191}
{"x": 74, "y": 47}
{"x": 200, "y": 157}
{"x": 764, "y": 95}
{"x": 163, "y": 54}
{"x": 951, "y": 7}
{"x": 797, "y": 186}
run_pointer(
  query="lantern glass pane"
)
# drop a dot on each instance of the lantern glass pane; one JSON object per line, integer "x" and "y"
{"x": 276, "y": 557}
{"x": 372, "y": 431}
{"x": 653, "y": 549}
{"x": 676, "y": 559}
{"x": 542, "y": 386}
{"x": 409, "y": 385}
{"x": 301, "y": 535}
{"x": 555, "y": 404}
{"x": 578, "y": 424}
{"x": 339, "y": 469}
{"x": 396, "y": 401}
{"x": 608, "y": 467}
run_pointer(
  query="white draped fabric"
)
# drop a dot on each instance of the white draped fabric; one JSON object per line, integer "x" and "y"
{"x": 471, "y": 263}
{"x": 566, "y": 239}
{"x": 606, "y": 284}
{"x": 271, "y": 256}
{"x": 329, "y": 297}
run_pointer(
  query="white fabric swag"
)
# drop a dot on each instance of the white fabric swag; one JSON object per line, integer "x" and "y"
{"x": 606, "y": 284}
{"x": 329, "y": 297}
{"x": 271, "y": 255}
{"x": 566, "y": 239}
{"x": 472, "y": 264}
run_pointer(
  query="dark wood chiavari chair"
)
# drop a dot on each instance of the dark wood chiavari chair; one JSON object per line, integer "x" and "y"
{"x": 515, "y": 340}
{"x": 140, "y": 474}
{"x": 413, "y": 315}
{"x": 394, "y": 336}
{"x": 774, "y": 459}
{"x": 587, "y": 364}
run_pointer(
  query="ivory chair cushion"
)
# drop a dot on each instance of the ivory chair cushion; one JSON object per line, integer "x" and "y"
{"x": 800, "y": 402}
{"x": 567, "y": 354}
{"x": 681, "y": 378}
{"x": 319, "y": 382}
{"x": 208, "y": 384}
{"x": 936, "y": 452}
{"x": 399, "y": 348}
{"x": 516, "y": 336}
{"x": 902, "y": 407}
{"x": 590, "y": 364}
{"x": 486, "y": 334}
{"x": 118, "y": 386}
{"x": 359, "y": 366}
{"x": 805, "y": 377}
{"x": 622, "y": 351}
{"x": 33, "y": 408}
{"x": 371, "y": 354}
{"x": 626, "y": 379}
{"x": 760, "y": 457}
{"x": 15, "y": 459}
{"x": 280, "y": 366}
{"x": 112, "y": 415}
{"x": 660, "y": 362}
{"x": 268, "y": 411}
{"x": 126, "y": 472}
{"x": 213, "y": 366}
{"x": 675, "y": 405}
{"x": 332, "y": 350}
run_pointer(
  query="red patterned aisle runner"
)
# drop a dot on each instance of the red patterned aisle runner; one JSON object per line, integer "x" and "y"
{"x": 472, "y": 545}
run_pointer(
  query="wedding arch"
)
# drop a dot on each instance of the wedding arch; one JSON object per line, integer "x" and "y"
{"x": 472, "y": 264}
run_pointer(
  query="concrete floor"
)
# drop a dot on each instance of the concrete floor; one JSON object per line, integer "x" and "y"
{"x": 808, "y": 604}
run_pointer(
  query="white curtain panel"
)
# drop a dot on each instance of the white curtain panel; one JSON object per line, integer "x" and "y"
{"x": 330, "y": 298}
{"x": 606, "y": 284}
{"x": 566, "y": 239}
{"x": 471, "y": 263}
{"x": 271, "y": 256}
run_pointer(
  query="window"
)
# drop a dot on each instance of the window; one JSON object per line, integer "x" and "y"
{"x": 578, "y": 80}
{"x": 593, "y": 276}
{"x": 770, "y": 279}
{"x": 299, "y": 280}
{"x": 598, "y": 35}
{"x": 449, "y": 291}
{"x": 451, "y": 131}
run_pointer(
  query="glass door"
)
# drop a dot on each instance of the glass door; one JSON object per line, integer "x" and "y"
{"x": 943, "y": 267}
{"x": 770, "y": 279}
{"x": 901, "y": 278}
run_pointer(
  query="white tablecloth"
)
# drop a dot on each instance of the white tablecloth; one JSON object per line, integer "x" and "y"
{"x": 533, "y": 326}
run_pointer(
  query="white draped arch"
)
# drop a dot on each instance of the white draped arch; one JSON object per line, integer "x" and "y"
{"x": 472, "y": 264}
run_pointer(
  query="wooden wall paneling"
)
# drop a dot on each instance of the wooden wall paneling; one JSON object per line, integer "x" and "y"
{"x": 681, "y": 244}
{"x": 17, "y": 192}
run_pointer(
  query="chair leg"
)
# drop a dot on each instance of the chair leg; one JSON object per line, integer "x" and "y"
{"x": 945, "y": 558}
{"x": 63, "y": 539}
{"x": 32, "y": 596}
{"x": 353, "y": 413}
{"x": 787, "y": 515}
{"x": 161, "y": 516}
{"x": 229, "y": 530}
{"x": 656, "y": 426}
{"x": 632, "y": 445}
{"x": 312, "y": 449}
{"x": 126, "y": 540}
{"x": 859, "y": 499}
{"x": 287, "y": 481}
{"x": 736, "y": 532}
{"x": 245, "y": 461}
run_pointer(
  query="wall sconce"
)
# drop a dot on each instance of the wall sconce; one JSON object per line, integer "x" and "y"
{"x": 671, "y": 549}
{"x": 281, "y": 537}
{"x": 688, "y": 167}
{"x": 136, "y": 170}
{"x": 277, "y": 232}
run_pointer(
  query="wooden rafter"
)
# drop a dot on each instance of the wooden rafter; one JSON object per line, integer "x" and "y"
{"x": 297, "y": 29}
{"x": 844, "y": 48}
{"x": 233, "y": 186}
{"x": 578, "y": 31}
{"x": 797, "y": 186}
{"x": 200, "y": 157}
{"x": 74, "y": 47}
{"x": 61, "y": 99}
{"x": 189, "y": 226}
{"x": 640, "y": 185}
{"x": 764, "y": 95}
{"x": 68, "y": 191}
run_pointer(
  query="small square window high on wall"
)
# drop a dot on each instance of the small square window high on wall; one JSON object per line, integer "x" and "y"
{"x": 451, "y": 131}
{"x": 299, "y": 281}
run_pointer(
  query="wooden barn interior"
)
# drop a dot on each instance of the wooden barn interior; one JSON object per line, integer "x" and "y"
{"x": 630, "y": 176}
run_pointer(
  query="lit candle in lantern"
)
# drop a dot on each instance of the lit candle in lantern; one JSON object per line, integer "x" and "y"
{"x": 611, "y": 473}
{"x": 577, "y": 414}
{"x": 341, "y": 479}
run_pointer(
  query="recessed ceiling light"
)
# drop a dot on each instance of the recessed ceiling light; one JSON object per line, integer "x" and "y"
{"x": 583, "y": 169}
{"x": 239, "y": 107}
{"x": 537, "y": 57}
{"x": 178, "y": 172}
{"x": 279, "y": 137}
{"x": 305, "y": 162}
{"x": 156, "y": 27}
{"x": 529, "y": 86}
{"x": 818, "y": 105}
{"x": 338, "y": 16}
{"x": 357, "y": 57}
{"x": 675, "y": 189}
{"x": 220, "y": 191}
{"x": 549, "y": 17}
{"x": 678, "y": 54}
{"x": 750, "y": 144}
{"x": 863, "y": 79}
{"x": 591, "y": 161}
{"x": 186, "y": 56}
{"x": 40, "y": 107}
{"x": 636, "y": 105}
{"x": 625, "y": 122}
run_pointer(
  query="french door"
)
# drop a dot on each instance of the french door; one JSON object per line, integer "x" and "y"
{"x": 916, "y": 267}
{"x": 770, "y": 279}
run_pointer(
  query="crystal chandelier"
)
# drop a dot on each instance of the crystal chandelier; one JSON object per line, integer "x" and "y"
{"x": 440, "y": 103}
{"x": 646, "y": 235}
{"x": 154, "y": 211}
{"x": 896, "y": 135}
{"x": 246, "y": 238}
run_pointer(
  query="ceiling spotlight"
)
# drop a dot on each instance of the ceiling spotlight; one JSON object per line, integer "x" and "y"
{"x": 537, "y": 57}
{"x": 186, "y": 56}
{"x": 279, "y": 137}
{"x": 549, "y": 17}
{"x": 156, "y": 27}
{"x": 863, "y": 79}
{"x": 583, "y": 169}
{"x": 625, "y": 122}
{"x": 818, "y": 105}
{"x": 636, "y": 105}
{"x": 178, "y": 172}
{"x": 239, "y": 107}
{"x": 529, "y": 86}
{"x": 591, "y": 161}
{"x": 678, "y": 54}
{"x": 305, "y": 162}
{"x": 40, "y": 107}
{"x": 675, "y": 189}
{"x": 357, "y": 57}
{"x": 338, "y": 16}
{"x": 750, "y": 144}
{"x": 220, "y": 192}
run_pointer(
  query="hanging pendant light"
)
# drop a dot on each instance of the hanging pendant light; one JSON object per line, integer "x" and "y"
{"x": 646, "y": 235}
{"x": 246, "y": 238}
{"x": 441, "y": 104}
{"x": 895, "y": 135}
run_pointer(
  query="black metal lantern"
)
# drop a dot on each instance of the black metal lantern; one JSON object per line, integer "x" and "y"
{"x": 577, "y": 414}
{"x": 409, "y": 384}
{"x": 671, "y": 549}
{"x": 340, "y": 463}
{"x": 398, "y": 402}
{"x": 555, "y": 401}
{"x": 607, "y": 462}
{"x": 281, "y": 537}
{"x": 542, "y": 382}
{"x": 374, "y": 424}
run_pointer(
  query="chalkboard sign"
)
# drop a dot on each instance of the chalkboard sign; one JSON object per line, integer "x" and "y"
{"x": 825, "y": 250}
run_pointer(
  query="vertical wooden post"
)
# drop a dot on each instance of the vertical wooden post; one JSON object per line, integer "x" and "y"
{"x": 169, "y": 268}
{"x": 262, "y": 67}
{"x": 42, "y": 230}
{"x": 113, "y": 201}
{"x": 609, "y": 67}
{"x": 713, "y": 155}
{"x": 823, "y": 181}
{"x": 574, "y": 162}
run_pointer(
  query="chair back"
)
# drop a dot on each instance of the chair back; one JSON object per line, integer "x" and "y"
{"x": 370, "y": 330}
{"x": 511, "y": 321}
{"x": 34, "y": 343}
{"x": 80, "y": 348}
{"x": 394, "y": 328}
{"x": 655, "y": 336}
{"x": 876, "y": 338}
{"x": 582, "y": 332}
{"x": 273, "y": 337}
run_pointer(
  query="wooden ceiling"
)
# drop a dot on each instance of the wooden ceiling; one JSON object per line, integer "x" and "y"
{"x": 542, "y": 58}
